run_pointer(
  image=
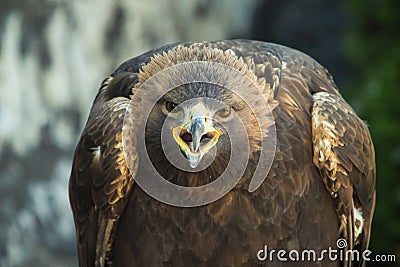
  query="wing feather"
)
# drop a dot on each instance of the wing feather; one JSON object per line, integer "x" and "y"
{"x": 344, "y": 154}
{"x": 100, "y": 180}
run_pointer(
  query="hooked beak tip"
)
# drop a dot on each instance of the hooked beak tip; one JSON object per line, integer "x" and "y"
{"x": 194, "y": 161}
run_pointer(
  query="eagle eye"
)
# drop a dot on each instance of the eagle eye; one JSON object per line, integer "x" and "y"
{"x": 169, "y": 106}
{"x": 224, "y": 112}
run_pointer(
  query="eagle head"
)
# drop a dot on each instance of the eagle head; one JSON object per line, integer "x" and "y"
{"x": 191, "y": 123}
{"x": 203, "y": 111}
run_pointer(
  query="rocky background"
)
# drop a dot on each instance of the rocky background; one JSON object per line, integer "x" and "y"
{"x": 54, "y": 54}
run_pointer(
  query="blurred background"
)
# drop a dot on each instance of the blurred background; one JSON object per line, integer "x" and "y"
{"x": 54, "y": 54}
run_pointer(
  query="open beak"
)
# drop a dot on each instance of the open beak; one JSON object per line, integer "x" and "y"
{"x": 196, "y": 136}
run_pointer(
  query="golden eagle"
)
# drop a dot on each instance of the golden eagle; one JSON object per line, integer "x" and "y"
{"x": 320, "y": 187}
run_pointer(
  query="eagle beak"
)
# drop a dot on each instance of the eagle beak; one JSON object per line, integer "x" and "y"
{"x": 196, "y": 137}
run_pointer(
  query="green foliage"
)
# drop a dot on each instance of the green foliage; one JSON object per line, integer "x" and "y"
{"x": 373, "y": 47}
